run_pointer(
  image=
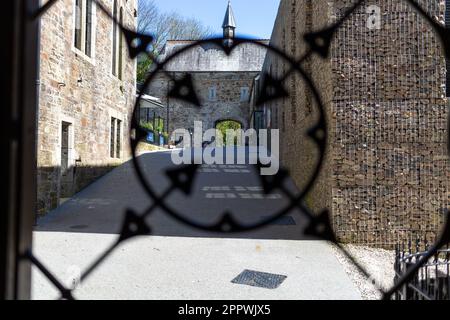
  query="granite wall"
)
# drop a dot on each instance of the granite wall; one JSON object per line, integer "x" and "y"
{"x": 80, "y": 91}
{"x": 227, "y": 105}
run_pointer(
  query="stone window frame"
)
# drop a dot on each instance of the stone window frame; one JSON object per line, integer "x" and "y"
{"x": 82, "y": 53}
{"x": 117, "y": 116}
{"x": 245, "y": 97}
{"x": 212, "y": 97}
{"x": 71, "y": 143}
{"x": 118, "y": 12}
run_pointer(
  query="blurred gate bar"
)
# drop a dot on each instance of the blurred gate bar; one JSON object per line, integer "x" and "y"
{"x": 19, "y": 55}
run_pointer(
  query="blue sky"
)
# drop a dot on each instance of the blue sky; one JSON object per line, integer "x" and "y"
{"x": 254, "y": 18}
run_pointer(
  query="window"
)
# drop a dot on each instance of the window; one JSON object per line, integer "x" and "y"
{"x": 115, "y": 144}
{"x": 112, "y": 138}
{"x": 117, "y": 42}
{"x": 244, "y": 94}
{"x": 118, "y": 136}
{"x": 84, "y": 13}
{"x": 121, "y": 45}
{"x": 88, "y": 30}
{"x": 78, "y": 22}
{"x": 65, "y": 145}
{"x": 114, "y": 39}
{"x": 212, "y": 93}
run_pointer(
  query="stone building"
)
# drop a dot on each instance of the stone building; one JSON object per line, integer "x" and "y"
{"x": 222, "y": 83}
{"x": 386, "y": 176}
{"x": 86, "y": 92}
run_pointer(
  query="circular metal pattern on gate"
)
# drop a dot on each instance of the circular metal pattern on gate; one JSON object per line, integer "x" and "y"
{"x": 182, "y": 177}
{"x": 134, "y": 224}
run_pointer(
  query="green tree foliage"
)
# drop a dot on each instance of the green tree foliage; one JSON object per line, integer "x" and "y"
{"x": 164, "y": 26}
{"x": 156, "y": 125}
{"x": 143, "y": 66}
{"x": 223, "y": 126}
{"x": 146, "y": 125}
{"x": 159, "y": 125}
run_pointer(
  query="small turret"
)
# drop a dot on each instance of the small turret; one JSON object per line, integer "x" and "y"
{"x": 229, "y": 24}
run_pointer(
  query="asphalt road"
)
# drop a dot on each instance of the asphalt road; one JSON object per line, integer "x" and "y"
{"x": 178, "y": 261}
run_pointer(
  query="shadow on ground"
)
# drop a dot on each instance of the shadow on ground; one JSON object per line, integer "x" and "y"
{"x": 100, "y": 207}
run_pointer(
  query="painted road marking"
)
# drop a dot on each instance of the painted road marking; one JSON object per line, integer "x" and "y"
{"x": 235, "y": 188}
{"x": 225, "y": 168}
{"x": 238, "y": 192}
{"x": 243, "y": 196}
{"x": 224, "y": 171}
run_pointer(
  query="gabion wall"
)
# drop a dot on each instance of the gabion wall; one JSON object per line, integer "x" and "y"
{"x": 387, "y": 174}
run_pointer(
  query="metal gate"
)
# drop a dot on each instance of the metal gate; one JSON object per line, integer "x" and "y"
{"x": 20, "y": 142}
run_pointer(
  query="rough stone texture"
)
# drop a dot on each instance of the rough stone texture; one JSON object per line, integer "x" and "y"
{"x": 387, "y": 174}
{"x": 227, "y": 105}
{"x": 81, "y": 91}
{"x": 211, "y": 57}
{"x": 296, "y": 114}
{"x": 209, "y": 67}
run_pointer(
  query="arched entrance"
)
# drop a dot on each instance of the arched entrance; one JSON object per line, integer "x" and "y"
{"x": 228, "y": 124}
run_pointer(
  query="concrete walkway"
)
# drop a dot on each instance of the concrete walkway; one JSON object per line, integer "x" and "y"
{"x": 178, "y": 262}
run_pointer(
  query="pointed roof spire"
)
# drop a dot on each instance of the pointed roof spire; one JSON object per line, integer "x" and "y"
{"x": 229, "y": 20}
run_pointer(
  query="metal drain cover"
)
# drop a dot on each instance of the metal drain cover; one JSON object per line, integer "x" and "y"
{"x": 282, "y": 221}
{"x": 259, "y": 279}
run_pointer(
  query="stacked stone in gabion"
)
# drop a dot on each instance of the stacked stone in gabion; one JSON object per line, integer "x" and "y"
{"x": 387, "y": 171}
